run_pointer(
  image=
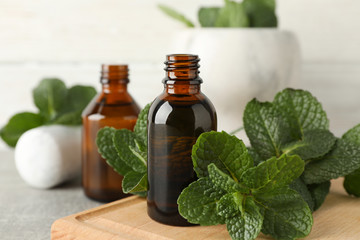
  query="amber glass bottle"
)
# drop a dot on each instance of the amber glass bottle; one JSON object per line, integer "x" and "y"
{"x": 176, "y": 118}
{"x": 113, "y": 107}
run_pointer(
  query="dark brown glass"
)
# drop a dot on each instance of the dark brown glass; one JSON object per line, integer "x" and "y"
{"x": 176, "y": 118}
{"x": 113, "y": 107}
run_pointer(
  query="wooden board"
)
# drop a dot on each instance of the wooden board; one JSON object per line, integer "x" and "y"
{"x": 338, "y": 218}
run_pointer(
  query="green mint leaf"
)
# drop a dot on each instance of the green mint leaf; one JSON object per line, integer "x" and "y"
{"x": 229, "y": 205}
{"x": 299, "y": 186}
{"x": 127, "y": 148}
{"x": 175, "y": 15}
{"x": 227, "y": 152}
{"x": 247, "y": 225}
{"x": 255, "y": 156}
{"x": 342, "y": 160}
{"x": 315, "y": 143}
{"x": 302, "y": 111}
{"x": 208, "y": 15}
{"x": 18, "y": 124}
{"x": 318, "y": 193}
{"x": 287, "y": 215}
{"x": 352, "y": 183}
{"x": 353, "y": 135}
{"x": 49, "y": 97}
{"x": 266, "y": 129}
{"x": 273, "y": 173}
{"x": 197, "y": 203}
{"x": 69, "y": 118}
{"x": 140, "y": 128}
{"x": 78, "y": 97}
{"x": 223, "y": 181}
{"x": 271, "y": 4}
{"x": 232, "y": 15}
{"x": 106, "y": 148}
{"x": 135, "y": 182}
{"x": 261, "y": 13}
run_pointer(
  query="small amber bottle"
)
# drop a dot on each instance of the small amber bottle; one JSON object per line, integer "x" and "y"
{"x": 176, "y": 118}
{"x": 113, "y": 107}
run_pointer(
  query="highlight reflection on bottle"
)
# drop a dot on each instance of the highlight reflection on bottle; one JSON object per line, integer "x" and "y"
{"x": 176, "y": 118}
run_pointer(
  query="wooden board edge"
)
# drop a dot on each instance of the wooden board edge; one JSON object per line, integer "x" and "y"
{"x": 72, "y": 227}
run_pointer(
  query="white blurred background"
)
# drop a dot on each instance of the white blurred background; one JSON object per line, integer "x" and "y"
{"x": 69, "y": 39}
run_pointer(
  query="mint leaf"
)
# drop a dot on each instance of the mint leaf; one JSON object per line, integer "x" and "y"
{"x": 69, "y": 118}
{"x": 140, "y": 128}
{"x": 342, "y": 160}
{"x": 125, "y": 143}
{"x": 207, "y": 16}
{"x": 255, "y": 156}
{"x": 197, "y": 203}
{"x": 302, "y": 111}
{"x": 232, "y": 15}
{"x": 261, "y": 13}
{"x": 287, "y": 216}
{"x": 273, "y": 173}
{"x": 352, "y": 183}
{"x": 353, "y": 135}
{"x": 247, "y": 225}
{"x": 175, "y": 15}
{"x": 315, "y": 143}
{"x": 18, "y": 124}
{"x": 223, "y": 181}
{"x": 78, "y": 97}
{"x": 299, "y": 186}
{"x": 106, "y": 148}
{"x": 49, "y": 97}
{"x": 126, "y": 152}
{"x": 227, "y": 152}
{"x": 319, "y": 192}
{"x": 135, "y": 182}
{"x": 266, "y": 129}
{"x": 229, "y": 205}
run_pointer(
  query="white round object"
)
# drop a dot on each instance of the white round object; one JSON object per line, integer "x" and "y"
{"x": 239, "y": 64}
{"x": 49, "y": 155}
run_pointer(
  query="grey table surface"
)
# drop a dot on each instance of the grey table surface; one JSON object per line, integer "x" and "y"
{"x": 27, "y": 213}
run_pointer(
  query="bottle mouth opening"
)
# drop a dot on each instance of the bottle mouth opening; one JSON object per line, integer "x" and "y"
{"x": 114, "y": 68}
{"x": 181, "y": 61}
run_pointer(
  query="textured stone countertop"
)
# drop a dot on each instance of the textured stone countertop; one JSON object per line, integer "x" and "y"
{"x": 27, "y": 213}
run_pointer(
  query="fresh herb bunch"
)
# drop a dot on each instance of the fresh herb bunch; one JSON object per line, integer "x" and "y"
{"x": 248, "y": 13}
{"x": 248, "y": 198}
{"x": 271, "y": 186}
{"x": 296, "y": 124}
{"x": 57, "y": 105}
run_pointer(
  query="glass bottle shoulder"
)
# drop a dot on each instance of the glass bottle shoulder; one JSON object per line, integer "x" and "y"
{"x": 166, "y": 107}
{"x": 107, "y": 105}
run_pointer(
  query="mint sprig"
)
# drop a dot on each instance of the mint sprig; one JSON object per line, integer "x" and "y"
{"x": 296, "y": 124}
{"x": 248, "y": 13}
{"x": 56, "y": 104}
{"x": 126, "y": 152}
{"x": 234, "y": 191}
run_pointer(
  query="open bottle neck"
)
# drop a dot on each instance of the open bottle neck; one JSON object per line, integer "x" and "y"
{"x": 114, "y": 78}
{"x": 182, "y": 69}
